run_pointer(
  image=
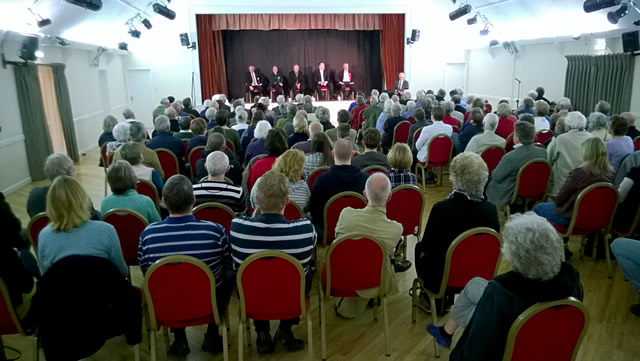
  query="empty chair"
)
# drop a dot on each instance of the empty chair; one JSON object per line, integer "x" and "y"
{"x": 332, "y": 210}
{"x": 194, "y": 155}
{"x": 543, "y": 136}
{"x": 416, "y": 135}
{"x": 169, "y": 162}
{"x": 406, "y": 207}
{"x": 147, "y": 188}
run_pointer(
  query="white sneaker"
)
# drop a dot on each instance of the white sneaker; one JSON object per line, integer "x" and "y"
{"x": 339, "y": 98}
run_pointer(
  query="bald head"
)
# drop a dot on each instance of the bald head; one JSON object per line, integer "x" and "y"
{"x": 342, "y": 150}
{"x": 629, "y": 117}
{"x": 377, "y": 190}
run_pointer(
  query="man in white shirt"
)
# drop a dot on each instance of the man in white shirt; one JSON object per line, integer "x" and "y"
{"x": 321, "y": 80}
{"x": 400, "y": 85}
{"x": 488, "y": 138}
{"x": 254, "y": 81}
{"x": 429, "y": 132}
{"x": 345, "y": 80}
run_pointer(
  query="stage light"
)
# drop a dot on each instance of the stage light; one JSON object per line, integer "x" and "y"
{"x": 94, "y": 5}
{"x": 147, "y": 24}
{"x": 615, "y": 16}
{"x": 484, "y": 32}
{"x": 595, "y": 5}
{"x": 134, "y": 33}
{"x": 62, "y": 41}
{"x": 473, "y": 20}
{"x": 636, "y": 23}
{"x": 493, "y": 43}
{"x": 44, "y": 22}
{"x": 39, "y": 54}
{"x": 460, "y": 12}
{"x": 30, "y": 45}
{"x": 164, "y": 11}
{"x": 123, "y": 46}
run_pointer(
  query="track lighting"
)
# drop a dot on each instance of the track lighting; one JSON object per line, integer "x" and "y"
{"x": 62, "y": 41}
{"x": 93, "y": 5}
{"x": 485, "y": 31}
{"x": 164, "y": 11}
{"x": 595, "y": 5}
{"x": 615, "y": 16}
{"x": 493, "y": 43}
{"x": 473, "y": 20}
{"x": 146, "y": 23}
{"x": 458, "y": 13}
{"x": 134, "y": 32}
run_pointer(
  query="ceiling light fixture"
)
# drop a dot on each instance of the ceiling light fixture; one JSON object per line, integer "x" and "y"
{"x": 146, "y": 23}
{"x": 485, "y": 31}
{"x": 123, "y": 46}
{"x": 93, "y": 5}
{"x": 134, "y": 32}
{"x": 458, "y": 13}
{"x": 62, "y": 41}
{"x": 493, "y": 43}
{"x": 41, "y": 21}
{"x": 473, "y": 20}
{"x": 615, "y": 16}
{"x": 168, "y": 13}
{"x": 590, "y": 6}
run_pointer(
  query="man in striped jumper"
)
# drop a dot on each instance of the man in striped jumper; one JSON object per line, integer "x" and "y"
{"x": 182, "y": 234}
{"x": 271, "y": 231}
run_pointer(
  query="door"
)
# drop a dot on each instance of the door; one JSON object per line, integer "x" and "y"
{"x": 104, "y": 93}
{"x": 139, "y": 90}
{"x": 454, "y": 76}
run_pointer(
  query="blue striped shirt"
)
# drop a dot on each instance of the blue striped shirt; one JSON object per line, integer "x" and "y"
{"x": 187, "y": 236}
{"x": 272, "y": 232}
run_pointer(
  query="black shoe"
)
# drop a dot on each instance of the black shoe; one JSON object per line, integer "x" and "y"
{"x": 212, "y": 343}
{"x": 179, "y": 347}
{"x": 567, "y": 253}
{"x": 287, "y": 339}
{"x": 635, "y": 309}
{"x": 264, "y": 343}
{"x": 401, "y": 266}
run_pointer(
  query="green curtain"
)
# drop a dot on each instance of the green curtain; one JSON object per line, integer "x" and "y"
{"x": 66, "y": 114}
{"x": 591, "y": 78}
{"x": 34, "y": 125}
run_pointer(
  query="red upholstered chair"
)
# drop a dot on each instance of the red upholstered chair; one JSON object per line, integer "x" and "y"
{"x": 292, "y": 211}
{"x": 271, "y": 91}
{"x": 510, "y": 144}
{"x": 106, "y": 163}
{"x": 10, "y": 322}
{"x": 216, "y": 213}
{"x": 315, "y": 174}
{"x": 416, "y": 136}
{"x": 324, "y": 90}
{"x": 543, "y": 135}
{"x": 492, "y": 157}
{"x": 401, "y": 132}
{"x": 271, "y": 286}
{"x": 439, "y": 156}
{"x": 532, "y": 182}
{"x": 636, "y": 143}
{"x": 406, "y": 207}
{"x": 411, "y": 119}
{"x": 231, "y": 146}
{"x": 129, "y": 224}
{"x": 258, "y": 168}
{"x": 168, "y": 162}
{"x": 332, "y": 211}
{"x": 563, "y": 323}
{"x": 539, "y": 145}
{"x": 593, "y": 214}
{"x": 372, "y": 169}
{"x": 148, "y": 189}
{"x": 194, "y": 156}
{"x": 344, "y": 274}
{"x": 352, "y": 95}
{"x": 456, "y": 129}
{"x": 36, "y": 224}
{"x": 180, "y": 291}
{"x": 185, "y": 142}
{"x": 474, "y": 253}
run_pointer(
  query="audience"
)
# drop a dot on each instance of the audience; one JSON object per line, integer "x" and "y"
{"x": 210, "y": 116}
{"x": 603, "y": 107}
{"x": 371, "y": 140}
{"x": 185, "y": 132}
{"x": 386, "y": 113}
{"x": 300, "y": 131}
{"x": 149, "y": 157}
{"x": 291, "y": 113}
{"x": 506, "y": 120}
{"x": 172, "y": 114}
{"x": 215, "y": 188}
{"x": 324, "y": 117}
{"x": 487, "y": 139}
{"x": 448, "y": 119}
{"x": 229, "y": 134}
{"x": 258, "y": 147}
{"x": 314, "y": 128}
{"x": 248, "y": 134}
{"x": 356, "y": 113}
{"x": 390, "y": 125}
{"x": 166, "y": 140}
{"x": 121, "y": 133}
{"x": 343, "y": 118}
{"x": 400, "y": 160}
{"x": 411, "y": 107}
{"x": 472, "y": 128}
{"x": 598, "y": 126}
{"x": 199, "y": 130}
{"x": 159, "y": 110}
{"x": 107, "y": 130}
{"x": 621, "y": 145}
{"x": 421, "y": 121}
{"x": 320, "y": 154}
{"x": 132, "y": 153}
{"x": 527, "y": 106}
{"x": 275, "y": 144}
{"x": 429, "y": 132}
{"x": 633, "y": 132}
{"x": 372, "y": 113}
{"x": 241, "y": 121}
{"x": 541, "y": 121}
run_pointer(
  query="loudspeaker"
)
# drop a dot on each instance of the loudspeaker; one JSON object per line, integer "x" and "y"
{"x": 30, "y": 45}
{"x": 415, "y": 35}
{"x": 184, "y": 39}
{"x": 630, "y": 42}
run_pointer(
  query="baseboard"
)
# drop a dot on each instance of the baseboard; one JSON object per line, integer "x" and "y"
{"x": 88, "y": 149}
{"x": 17, "y": 186}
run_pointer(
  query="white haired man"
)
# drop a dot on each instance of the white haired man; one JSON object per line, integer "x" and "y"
{"x": 346, "y": 80}
{"x": 488, "y": 138}
{"x": 215, "y": 188}
{"x": 253, "y": 81}
{"x": 172, "y": 114}
{"x": 128, "y": 115}
{"x": 400, "y": 85}
{"x": 159, "y": 110}
{"x": 206, "y": 104}
{"x": 564, "y": 103}
{"x": 164, "y": 139}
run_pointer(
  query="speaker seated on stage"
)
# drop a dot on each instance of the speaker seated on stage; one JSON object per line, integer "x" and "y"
{"x": 296, "y": 82}
{"x": 346, "y": 81}
{"x": 276, "y": 80}
{"x": 321, "y": 79}
{"x": 400, "y": 85}
{"x": 254, "y": 81}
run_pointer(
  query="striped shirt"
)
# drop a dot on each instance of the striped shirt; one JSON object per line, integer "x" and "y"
{"x": 221, "y": 192}
{"x": 272, "y": 232}
{"x": 186, "y": 236}
{"x": 298, "y": 192}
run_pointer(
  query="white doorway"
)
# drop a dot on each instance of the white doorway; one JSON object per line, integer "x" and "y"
{"x": 454, "y": 76}
{"x": 139, "y": 90}
{"x": 104, "y": 93}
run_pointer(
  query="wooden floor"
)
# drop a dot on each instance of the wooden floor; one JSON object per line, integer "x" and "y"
{"x": 612, "y": 334}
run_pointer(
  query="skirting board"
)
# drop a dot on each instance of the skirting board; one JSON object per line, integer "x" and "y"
{"x": 16, "y": 186}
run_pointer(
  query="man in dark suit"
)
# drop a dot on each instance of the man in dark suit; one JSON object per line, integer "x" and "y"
{"x": 296, "y": 80}
{"x": 400, "y": 85}
{"x": 254, "y": 81}
{"x": 276, "y": 80}
{"x": 164, "y": 139}
{"x": 321, "y": 79}
{"x": 371, "y": 140}
{"x": 346, "y": 81}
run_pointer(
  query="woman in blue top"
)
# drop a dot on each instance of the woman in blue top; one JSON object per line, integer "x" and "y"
{"x": 122, "y": 181}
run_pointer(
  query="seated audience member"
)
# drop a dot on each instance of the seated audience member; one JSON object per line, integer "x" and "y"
{"x": 633, "y": 132}
{"x": 476, "y": 103}
{"x": 149, "y": 157}
{"x": 621, "y": 145}
{"x": 274, "y": 145}
{"x": 291, "y": 113}
{"x": 371, "y": 114}
{"x": 248, "y": 134}
{"x": 199, "y": 130}
{"x": 528, "y": 105}
{"x": 229, "y": 134}
{"x": 421, "y": 121}
{"x": 541, "y": 121}
{"x": 341, "y": 177}
{"x": 210, "y": 117}
{"x": 257, "y": 148}
{"x": 216, "y": 142}
{"x": 502, "y": 181}
{"x": 172, "y": 114}
{"x": 271, "y": 231}
{"x": 182, "y": 234}
{"x": 343, "y": 118}
{"x": 386, "y": 113}
{"x": 300, "y": 131}
{"x": 179, "y": 108}
{"x": 122, "y": 181}
{"x": 430, "y": 131}
{"x": 305, "y": 147}
{"x": 627, "y": 252}
{"x": 308, "y": 107}
{"x": 241, "y": 122}
{"x": 107, "y": 130}
{"x": 448, "y": 119}
{"x": 411, "y": 107}
{"x": 440, "y": 95}
{"x": 132, "y": 153}
{"x": 472, "y": 128}
{"x": 598, "y": 126}
{"x": 487, "y": 309}
{"x": 128, "y": 115}
{"x": 555, "y": 117}
{"x": 487, "y": 139}
{"x": 206, "y": 105}
{"x": 459, "y": 104}
{"x": 164, "y": 139}
{"x": 506, "y": 120}
{"x": 320, "y": 154}
{"x": 344, "y": 131}
{"x": 186, "y": 103}
{"x": 400, "y": 160}
{"x": 121, "y": 133}
{"x": 527, "y": 118}
{"x": 215, "y": 188}
{"x": 563, "y": 104}
{"x": 324, "y": 117}
{"x": 69, "y": 232}
{"x": 565, "y": 152}
{"x": 185, "y": 132}
{"x": 371, "y": 140}
{"x": 390, "y": 125}
{"x": 159, "y": 110}
{"x": 540, "y": 92}
{"x": 372, "y": 221}
{"x": 468, "y": 175}
{"x": 354, "y": 103}
{"x": 629, "y": 192}
{"x": 290, "y": 164}
{"x": 356, "y": 113}
{"x": 603, "y": 107}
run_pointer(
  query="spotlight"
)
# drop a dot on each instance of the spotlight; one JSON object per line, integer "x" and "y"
{"x": 123, "y": 46}
{"x": 458, "y": 13}
{"x": 164, "y": 11}
{"x": 615, "y": 16}
{"x": 484, "y": 32}
{"x": 147, "y": 24}
{"x": 636, "y": 23}
{"x": 29, "y": 48}
{"x": 44, "y": 22}
{"x": 134, "y": 33}
{"x": 93, "y": 5}
{"x": 595, "y": 5}
{"x": 473, "y": 20}
{"x": 62, "y": 41}
{"x": 493, "y": 43}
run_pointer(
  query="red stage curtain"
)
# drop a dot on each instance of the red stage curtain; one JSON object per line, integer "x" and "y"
{"x": 213, "y": 71}
{"x": 392, "y": 47}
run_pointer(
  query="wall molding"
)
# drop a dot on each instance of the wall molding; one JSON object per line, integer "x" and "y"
{"x": 88, "y": 116}
{"x": 9, "y": 141}
{"x": 17, "y": 186}
{"x": 119, "y": 106}
{"x": 88, "y": 149}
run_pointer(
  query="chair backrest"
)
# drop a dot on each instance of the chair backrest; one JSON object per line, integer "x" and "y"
{"x": 401, "y": 132}
{"x": 129, "y": 224}
{"x": 456, "y": 129}
{"x": 509, "y": 144}
{"x": 594, "y": 209}
{"x": 292, "y": 211}
{"x": 194, "y": 155}
{"x": 440, "y": 149}
{"x": 474, "y": 253}
{"x": 346, "y": 274}
{"x": 271, "y": 286}
{"x": 636, "y": 143}
{"x": 406, "y": 207}
{"x": 563, "y": 323}
{"x": 334, "y": 207}
{"x": 185, "y": 143}
{"x": 9, "y": 321}
{"x": 533, "y": 180}
{"x": 492, "y": 157}
{"x": 372, "y": 169}
{"x": 36, "y": 224}
{"x": 180, "y": 291}
{"x": 543, "y": 135}
{"x": 315, "y": 174}
{"x": 416, "y": 135}
{"x": 215, "y": 212}
{"x": 411, "y": 119}
{"x": 168, "y": 162}
{"x": 148, "y": 189}
{"x": 231, "y": 146}
{"x": 106, "y": 159}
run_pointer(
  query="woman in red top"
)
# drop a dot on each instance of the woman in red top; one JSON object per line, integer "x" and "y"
{"x": 506, "y": 120}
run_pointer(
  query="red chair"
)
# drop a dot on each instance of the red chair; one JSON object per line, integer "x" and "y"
{"x": 194, "y": 156}
{"x": 474, "y": 253}
{"x": 439, "y": 156}
{"x": 231, "y": 146}
{"x": 271, "y": 286}
{"x": 168, "y": 162}
{"x": 401, "y": 132}
{"x": 532, "y": 182}
{"x": 593, "y": 214}
{"x": 106, "y": 163}
{"x": 185, "y": 142}
{"x": 324, "y": 90}
{"x": 10, "y": 322}
{"x": 258, "y": 168}
{"x": 351, "y": 94}
{"x": 345, "y": 274}
{"x": 539, "y": 145}
{"x": 492, "y": 156}
{"x": 372, "y": 169}
{"x": 510, "y": 144}
{"x": 129, "y": 224}
{"x": 332, "y": 211}
{"x": 315, "y": 174}
{"x": 292, "y": 211}
{"x": 411, "y": 120}
{"x": 406, "y": 207}
{"x": 543, "y": 135}
{"x": 148, "y": 189}
{"x": 36, "y": 224}
{"x": 216, "y": 213}
{"x": 636, "y": 143}
{"x": 416, "y": 136}
{"x": 456, "y": 129}
{"x": 180, "y": 291}
{"x": 563, "y": 323}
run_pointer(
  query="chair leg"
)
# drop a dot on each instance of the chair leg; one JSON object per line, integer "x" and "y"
{"x": 323, "y": 324}
{"x": 152, "y": 343}
{"x": 167, "y": 343}
{"x": 309, "y": 333}
{"x": 607, "y": 255}
{"x": 424, "y": 185}
{"x": 434, "y": 314}
{"x": 248, "y": 333}
{"x": 414, "y": 300}
{"x": 136, "y": 352}
{"x": 404, "y": 248}
{"x": 225, "y": 343}
{"x": 240, "y": 332}
{"x": 595, "y": 247}
{"x": 386, "y": 326}
{"x": 441, "y": 175}
{"x": 376, "y": 302}
{"x": 582, "y": 244}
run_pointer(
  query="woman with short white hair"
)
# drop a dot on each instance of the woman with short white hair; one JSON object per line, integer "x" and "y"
{"x": 300, "y": 129}
{"x": 386, "y": 113}
{"x": 121, "y": 133}
{"x": 488, "y": 138}
{"x": 599, "y": 126}
{"x": 241, "y": 121}
{"x": 256, "y": 147}
{"x": 107, "y": 130}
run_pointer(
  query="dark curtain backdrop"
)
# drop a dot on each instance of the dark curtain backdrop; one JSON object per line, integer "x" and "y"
{"x": 66, "y": 113}
{"x": 284, "y": 48}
